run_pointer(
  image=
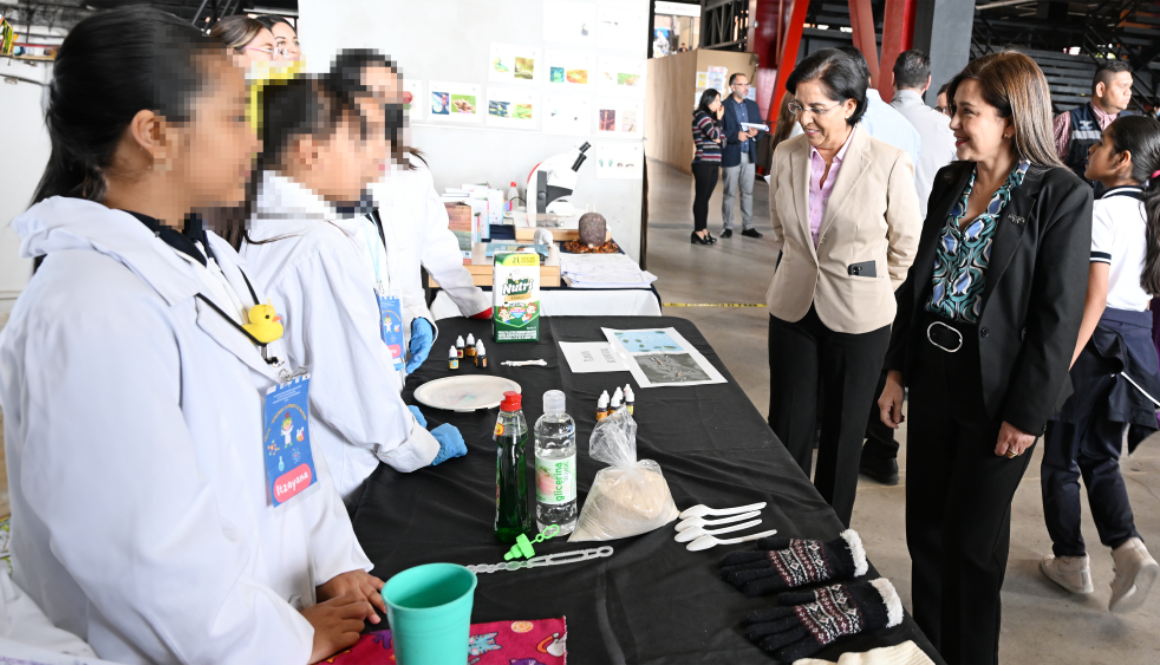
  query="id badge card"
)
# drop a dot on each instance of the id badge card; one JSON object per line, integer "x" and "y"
{"x": 289, "y": 461}
{"x": 391, "y": 327}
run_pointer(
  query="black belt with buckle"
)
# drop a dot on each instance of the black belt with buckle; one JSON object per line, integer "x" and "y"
{"x": 944, "y": 336}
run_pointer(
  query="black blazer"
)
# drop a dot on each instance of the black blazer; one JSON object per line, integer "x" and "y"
{"x": 1033, "y": 298}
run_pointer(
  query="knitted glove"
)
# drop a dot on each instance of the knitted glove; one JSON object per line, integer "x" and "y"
{"x": 785, "y": 563}
{"x": 803, "y": 623}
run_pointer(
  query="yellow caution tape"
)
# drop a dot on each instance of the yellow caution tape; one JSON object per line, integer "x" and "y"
{"x": 715, "y": 304}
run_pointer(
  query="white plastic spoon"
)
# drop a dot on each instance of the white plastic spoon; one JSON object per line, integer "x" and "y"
{"x": 701, "y": 510}
{"x": 701, "y": 521}
{"x": 706, "y": 542}
{"x": 696, "y": 532}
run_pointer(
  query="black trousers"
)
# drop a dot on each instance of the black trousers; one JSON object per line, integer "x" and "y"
{"x": 705, "y": 175}
{"x": 879, "y": 438}
{"x": 958, "y": 503}
{"x": 1090, "y": 448}
{"x": 803, "y": 357}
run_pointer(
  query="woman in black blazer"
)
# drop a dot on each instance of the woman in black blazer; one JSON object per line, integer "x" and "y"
{"x": 987, "y": 322}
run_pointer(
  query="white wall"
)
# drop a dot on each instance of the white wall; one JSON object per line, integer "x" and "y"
{"x": 449, "y": 40}
{"x": 25, "y": 149}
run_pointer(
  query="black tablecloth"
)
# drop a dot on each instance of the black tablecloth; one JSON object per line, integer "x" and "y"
{"x": 652, "y": 601}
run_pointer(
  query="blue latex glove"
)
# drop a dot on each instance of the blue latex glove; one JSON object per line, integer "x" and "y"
{"x": 422, "y": 338}
{"x": 450, "y": 443}
{"x": 418, "y": 416}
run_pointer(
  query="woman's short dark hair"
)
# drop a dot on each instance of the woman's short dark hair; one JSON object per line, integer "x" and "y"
{"x": 111, "y": 66}
{"x": 840, "y": 75}
{"x": 707, "y": 98}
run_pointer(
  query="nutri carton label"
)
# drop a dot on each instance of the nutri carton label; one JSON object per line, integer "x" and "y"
{"x": 516, "y": 291}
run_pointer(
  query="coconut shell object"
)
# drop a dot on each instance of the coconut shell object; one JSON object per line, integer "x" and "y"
{"x": 593, "y": 229}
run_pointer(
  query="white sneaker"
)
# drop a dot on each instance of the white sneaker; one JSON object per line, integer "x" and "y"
{"x": 1069, "y": 572}
{"x": 1136, "y": 571}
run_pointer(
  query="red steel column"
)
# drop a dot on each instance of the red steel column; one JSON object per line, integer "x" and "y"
{"x": 897, "y": 36}
{"x": 787, "y": 59}
{"x": 862, "y": 21}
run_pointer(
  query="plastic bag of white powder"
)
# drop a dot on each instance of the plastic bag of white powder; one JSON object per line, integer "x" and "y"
{"x": 629, "y": 497}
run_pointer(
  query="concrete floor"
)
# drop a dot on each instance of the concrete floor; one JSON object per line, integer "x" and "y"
{"x": 1042, "y": 622}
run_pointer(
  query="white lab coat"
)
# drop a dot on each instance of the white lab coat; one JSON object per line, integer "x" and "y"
{"x": 26, "y": 634}
{"x": 141, "y": 522}
{"x": 415, "y": 223}
{"x": 317, "y": 267}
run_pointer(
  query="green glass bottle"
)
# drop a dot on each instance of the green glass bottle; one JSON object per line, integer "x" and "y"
{"x": 512, "y": 516}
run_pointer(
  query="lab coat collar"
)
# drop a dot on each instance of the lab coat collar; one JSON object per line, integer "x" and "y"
{"x": 61, "y": 223}
{"x": 908, "y": 97}
{"x": 286, "y": 208}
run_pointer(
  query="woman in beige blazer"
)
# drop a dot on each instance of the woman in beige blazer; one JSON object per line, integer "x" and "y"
{"x": 845, "y": 231}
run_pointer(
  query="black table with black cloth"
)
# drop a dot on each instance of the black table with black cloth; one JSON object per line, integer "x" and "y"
{"x": 652, "y": 601}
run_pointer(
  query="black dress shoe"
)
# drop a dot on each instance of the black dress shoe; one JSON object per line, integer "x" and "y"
{"x": 710, "y": 237}
{"x": 727, "y": 233}
{"x": 698, "y": 240}
{"x": 751, "y": 233}
{"x": 880, "y": 469}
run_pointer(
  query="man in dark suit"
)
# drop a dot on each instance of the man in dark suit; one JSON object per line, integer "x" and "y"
{"x": 738, "y": 156}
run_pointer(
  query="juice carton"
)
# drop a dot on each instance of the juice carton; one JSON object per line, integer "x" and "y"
{"x": 516, "y": 288}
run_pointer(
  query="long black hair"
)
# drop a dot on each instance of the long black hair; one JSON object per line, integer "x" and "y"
{"x": 707, "y": 98}
{"x": 346, "y": 75}
{"x": 1140, "y": 136}
{"x": 111, "y": 66}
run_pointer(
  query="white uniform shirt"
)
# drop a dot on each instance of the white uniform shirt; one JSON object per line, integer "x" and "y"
{"x": 1119, "y": 238}
{"x": 315, "y": 264}
{"x": 938, "y": 141}
{"x": 141, "y": 522}
{"x": 415, "y": 223}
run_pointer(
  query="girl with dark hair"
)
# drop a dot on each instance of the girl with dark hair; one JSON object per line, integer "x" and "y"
{"x": 707, "y": 137}
{"x": 322, "y": 145}
{"x": 286, "y": 45}
{"x": 249, "y": 42}
{"x": 986, "y": 325}
{"x": 132, "y": 383}
{"x": 1114, "y": 370}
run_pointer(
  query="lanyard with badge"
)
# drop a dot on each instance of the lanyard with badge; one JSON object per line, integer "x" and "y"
{"x": 287, "y": 453}
{"x": 390, "y": 306}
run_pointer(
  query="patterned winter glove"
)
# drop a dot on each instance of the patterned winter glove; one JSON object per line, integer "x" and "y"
{"x": 785, "y": 563}
{"x": 803, "y": 623}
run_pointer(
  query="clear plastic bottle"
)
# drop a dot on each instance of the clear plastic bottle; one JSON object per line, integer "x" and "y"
{"x": 511, "y": 475}
{"x": 556, "y": 466}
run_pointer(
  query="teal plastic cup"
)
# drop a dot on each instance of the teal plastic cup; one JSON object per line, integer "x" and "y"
{"x": 429, "y": 609}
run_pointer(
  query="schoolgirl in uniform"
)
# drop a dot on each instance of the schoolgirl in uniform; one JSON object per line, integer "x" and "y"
{"x": 320, "y": 150}
{"x": 133, "y": 392}
{"x": 1114, "y": 370}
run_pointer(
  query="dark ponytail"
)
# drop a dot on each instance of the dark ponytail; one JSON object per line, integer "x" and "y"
{"x": 1140, "y": 136}
{"x": 111, "y": 66}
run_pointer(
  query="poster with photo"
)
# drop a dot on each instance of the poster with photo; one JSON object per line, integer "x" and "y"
{"x": 512, "y": 108}
{"x": 567, "y": 70}
{"x": 662, "y": 357}
{"x": 565, "y": 114}
{"x": 454, "y": 102}
{"x": 717, "y": 78}
{"x": 620, "y": 27}
{"x": 412, "y": 99}
{"x": 625, "y": 75}
{"x": 619, "y": 161}
{"x": 570, "y": 22}
{"x": 620, "y": 117}
{"x": 513, "y": 64}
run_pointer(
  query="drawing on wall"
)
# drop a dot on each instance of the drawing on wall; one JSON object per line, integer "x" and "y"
{"x": 512, "y": 64}
{"x": 454, "y": 102}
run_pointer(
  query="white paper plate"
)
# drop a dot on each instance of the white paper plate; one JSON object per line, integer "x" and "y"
{"x": 465, "y": 393}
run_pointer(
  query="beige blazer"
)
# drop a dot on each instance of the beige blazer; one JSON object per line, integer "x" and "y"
{"x": 872, "y": 215}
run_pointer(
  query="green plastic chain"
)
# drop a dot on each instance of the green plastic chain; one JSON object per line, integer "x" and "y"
{"x": 523, "y": 546}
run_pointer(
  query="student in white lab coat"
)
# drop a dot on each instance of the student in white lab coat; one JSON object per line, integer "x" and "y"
{"x": 408, "y": 223}
{"x": 320, "y": 149}
{"x": 133, "y": 400}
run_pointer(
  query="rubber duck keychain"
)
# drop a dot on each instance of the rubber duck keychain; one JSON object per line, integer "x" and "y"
{"x": 264, "y": 323}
